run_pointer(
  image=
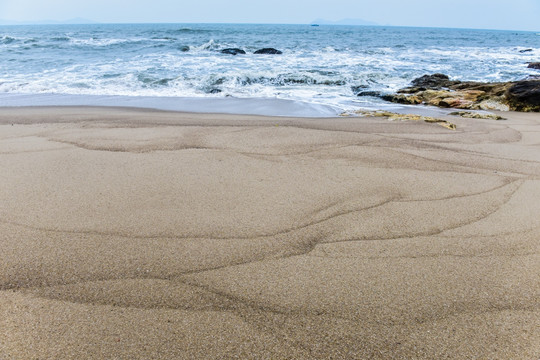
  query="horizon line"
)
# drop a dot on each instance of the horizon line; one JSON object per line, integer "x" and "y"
{"x": 4, "y": 22}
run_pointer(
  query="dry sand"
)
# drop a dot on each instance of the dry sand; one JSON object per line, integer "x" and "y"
{"x": 139, "y": 234}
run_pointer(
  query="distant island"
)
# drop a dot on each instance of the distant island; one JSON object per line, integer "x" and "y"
{"x": 344, "y": 22}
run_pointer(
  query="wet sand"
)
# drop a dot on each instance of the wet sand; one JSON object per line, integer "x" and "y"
{"x": 143, "y": 234}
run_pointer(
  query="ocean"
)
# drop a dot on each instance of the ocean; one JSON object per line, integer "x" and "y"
{"x": 326, "y": 66}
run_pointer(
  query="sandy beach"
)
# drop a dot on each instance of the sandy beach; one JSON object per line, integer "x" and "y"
{"x": 143, "y": 234}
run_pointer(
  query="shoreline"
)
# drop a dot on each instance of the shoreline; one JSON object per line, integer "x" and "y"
{"x": 215, "y": 105}
{"x": 229, "y": 105}
{"x": 145, "y": 234}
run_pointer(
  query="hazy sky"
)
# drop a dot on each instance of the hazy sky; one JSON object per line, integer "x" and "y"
{"x": 486, "y": 14}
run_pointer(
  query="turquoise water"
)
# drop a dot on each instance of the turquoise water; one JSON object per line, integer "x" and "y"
{"x": 324, "y": 65}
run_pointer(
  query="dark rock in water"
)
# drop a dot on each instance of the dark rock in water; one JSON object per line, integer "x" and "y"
{"x": 524, "y": 96}
{"x": 184, "y": 48}
{"x": 525, "y": 51}
{"x": 369, "y": 93}
{"x": 435, "y": 81}
{"x": 358, "y": 88}
{"x": 534, "y": 65}
{"x": 233, "y": 51}
{"x": 214, "y": 91}
{"x": 268, "y": 51}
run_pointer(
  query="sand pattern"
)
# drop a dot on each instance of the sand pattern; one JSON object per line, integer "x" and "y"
{"x": 141, "y": 234}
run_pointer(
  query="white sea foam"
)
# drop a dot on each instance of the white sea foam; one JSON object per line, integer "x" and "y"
{"x": 100, "y": 42}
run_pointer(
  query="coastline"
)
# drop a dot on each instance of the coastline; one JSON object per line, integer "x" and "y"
{"x": 257, "y": 106}
{"x": 139, "y": 233}
{"x": 223, "y": 105}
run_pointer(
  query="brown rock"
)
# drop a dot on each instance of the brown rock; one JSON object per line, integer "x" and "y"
{"x": 474, "y": 115}
{"x": 492, "y": 104}
{"x": 403, "y": 99}
{"x": 456, "y": 102}
{"x": 438, "y": 90}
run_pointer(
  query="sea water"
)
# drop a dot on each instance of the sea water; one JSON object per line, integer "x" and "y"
{"x": 322, "y": 65}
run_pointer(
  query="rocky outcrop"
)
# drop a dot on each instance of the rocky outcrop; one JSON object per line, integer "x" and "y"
{"x": 268, "y": 51}
{"x": 439, "y": 90}
{"x": 233, "y": 51}
{"x": 534, "y": 65}
{"x": 524, "y": 96}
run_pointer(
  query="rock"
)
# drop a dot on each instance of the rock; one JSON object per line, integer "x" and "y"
{"x": 492, "y": 105}
{"x": 403, "y": 99}
{"x": 492, "y": 89}
{"x": 369, "y": 93}
{"x": 439, "y": 90}
{"x": 440, "y": 122}
{"x": 524, "y": 96}
{"x": 268, "y": 51}
{"x": 472, "y": 115}
{"x": 233, "y": 51}
{"x": 358, "y": 88}
{"x": 435, "y": 81}
{"x": 403, "y": 117}
{"x": 433, "y": 97}
{"x": 534, "y": 65}
{"x": 455, "y": 102}
{"x": 462, "y": 99}
{"x": 525, "y": 50}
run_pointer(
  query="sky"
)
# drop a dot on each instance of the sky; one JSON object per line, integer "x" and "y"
{"x": 480, "y": 14}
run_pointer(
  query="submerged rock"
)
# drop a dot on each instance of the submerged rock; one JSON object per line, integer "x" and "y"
{"x": 534, "y": 65}
{"x": 439, "y": 90}
{"x": 268, "y": 51}
{"x": 233, "y": 51}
